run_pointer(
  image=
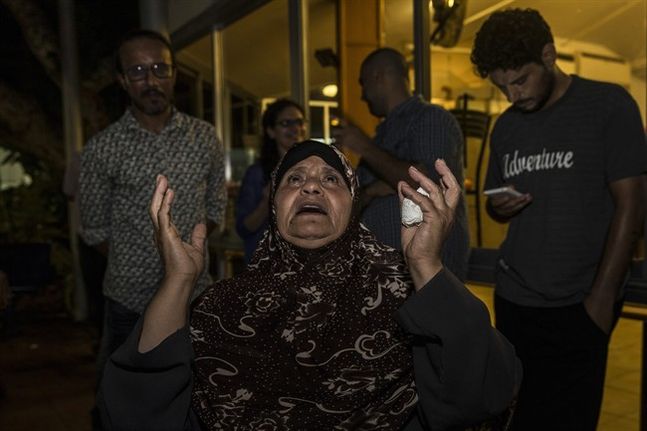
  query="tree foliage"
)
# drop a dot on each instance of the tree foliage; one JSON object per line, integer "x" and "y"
{"x": 30, "y": 89}
{"x": 31, "y": 125}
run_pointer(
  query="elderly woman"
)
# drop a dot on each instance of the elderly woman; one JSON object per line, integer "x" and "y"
{"x": 326, "y": 329}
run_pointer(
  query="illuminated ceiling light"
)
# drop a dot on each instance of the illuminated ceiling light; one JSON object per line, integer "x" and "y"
{"x": 448, "y": 3}
{"x": 329, "y": 90}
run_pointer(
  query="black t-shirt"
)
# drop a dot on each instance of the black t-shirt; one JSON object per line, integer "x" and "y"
{"x": 565, "y": 156}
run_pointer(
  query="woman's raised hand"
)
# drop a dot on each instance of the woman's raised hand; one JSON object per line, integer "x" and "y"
{"x": 183, "y": 262}
{"x": 422, "y": 244}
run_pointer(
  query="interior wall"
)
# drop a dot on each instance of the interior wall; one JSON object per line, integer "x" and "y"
{"x": 452, "y": 74}
{"x": 322, "y": 33}
{"x": 257, "y": 49}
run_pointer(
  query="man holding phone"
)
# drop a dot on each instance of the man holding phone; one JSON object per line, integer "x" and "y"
{"x": 576, "y": 150}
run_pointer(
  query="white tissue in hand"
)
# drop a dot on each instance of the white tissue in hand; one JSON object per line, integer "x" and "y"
{"x": 411, "y": 212}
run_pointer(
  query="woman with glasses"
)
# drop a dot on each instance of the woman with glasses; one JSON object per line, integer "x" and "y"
{"x": 283, "y": 126}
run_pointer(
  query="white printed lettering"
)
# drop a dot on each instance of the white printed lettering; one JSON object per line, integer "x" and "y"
{"x": 516, "y": 165}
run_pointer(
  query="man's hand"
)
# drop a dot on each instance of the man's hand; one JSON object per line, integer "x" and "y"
{"x": 600, "y": 310}
{"x": 351, "y": 137}
{"x": 504, "y": 207}
{"x": 422, "y": 244}
{"x": 182, "y": 261}
{"x": 624, "y": 233}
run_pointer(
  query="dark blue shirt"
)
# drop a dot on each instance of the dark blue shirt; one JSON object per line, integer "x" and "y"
{"x": 249, "y": 196}
{"x": 418, "y": 132}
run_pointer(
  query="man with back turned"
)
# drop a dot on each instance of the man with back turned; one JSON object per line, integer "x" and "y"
{"x": 413, "y": 132}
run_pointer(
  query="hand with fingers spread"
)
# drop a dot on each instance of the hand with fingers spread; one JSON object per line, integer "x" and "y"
{"x": 422, "y": 244}
{"x": 183, "y": 262}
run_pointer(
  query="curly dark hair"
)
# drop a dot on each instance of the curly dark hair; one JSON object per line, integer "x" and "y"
{"x": 269, "y": 157}
{"x": 509, "y": 39}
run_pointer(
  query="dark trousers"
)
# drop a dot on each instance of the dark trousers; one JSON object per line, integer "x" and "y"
{"x": 564, "y": 356}
{"x": 119, "y": 321}
{"x": 93, "y": 268}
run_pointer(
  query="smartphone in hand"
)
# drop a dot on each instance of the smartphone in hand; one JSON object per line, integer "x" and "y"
{"x": 503, "y": 191}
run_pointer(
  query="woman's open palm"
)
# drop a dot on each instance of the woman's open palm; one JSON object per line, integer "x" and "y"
{"x": 182, "y": 260}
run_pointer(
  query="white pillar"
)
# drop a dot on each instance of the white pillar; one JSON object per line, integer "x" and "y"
{"x": 221, "y": 105}
{"x": 299, "y": 79}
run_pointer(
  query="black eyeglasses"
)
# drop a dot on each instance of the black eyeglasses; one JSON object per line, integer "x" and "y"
{"x": 291, "y": 122}
{"x": 139, "y": 72}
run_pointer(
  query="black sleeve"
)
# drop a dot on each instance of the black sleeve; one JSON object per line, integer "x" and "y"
{"x": 624, "y": 140}
{"x": 465, "y": 371}
{"x": 149, "y": 391}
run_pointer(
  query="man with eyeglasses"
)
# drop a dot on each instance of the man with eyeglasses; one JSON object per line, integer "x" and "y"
{"x": 119, "y": 168}
{"x": 413, "y": 132}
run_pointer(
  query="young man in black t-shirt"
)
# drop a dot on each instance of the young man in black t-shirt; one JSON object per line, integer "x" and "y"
{"x": 576, "y": 151}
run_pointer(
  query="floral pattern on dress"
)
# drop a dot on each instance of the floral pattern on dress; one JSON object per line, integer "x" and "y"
{"x": 312, "y": 335}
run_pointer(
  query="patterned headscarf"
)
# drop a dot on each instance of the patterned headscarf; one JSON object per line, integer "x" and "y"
{"x": 306, "y": 339}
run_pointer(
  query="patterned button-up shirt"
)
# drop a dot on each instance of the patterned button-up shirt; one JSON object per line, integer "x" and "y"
{"x": 118, "y": 170}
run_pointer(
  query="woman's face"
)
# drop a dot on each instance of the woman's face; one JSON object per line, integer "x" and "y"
{"x": 313, "y": 204}
{"x": 288, "y": 129}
